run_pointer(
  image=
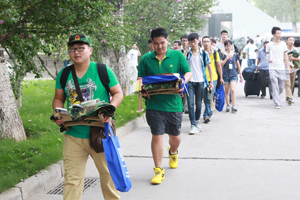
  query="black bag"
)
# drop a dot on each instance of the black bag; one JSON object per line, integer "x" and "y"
{"x": 252, "y": 86}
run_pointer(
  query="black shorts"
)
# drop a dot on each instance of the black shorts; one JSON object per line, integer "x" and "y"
{"x": 162, "y": 122}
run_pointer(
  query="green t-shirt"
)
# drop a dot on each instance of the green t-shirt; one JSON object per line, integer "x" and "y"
{"x": 91, "y": 88}
{"x": 173, "y": 62}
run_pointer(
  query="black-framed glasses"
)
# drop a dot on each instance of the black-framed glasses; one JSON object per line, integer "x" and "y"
{"x": 79, "y": 49}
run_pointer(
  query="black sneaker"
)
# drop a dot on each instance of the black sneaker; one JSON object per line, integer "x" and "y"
{"x": 233, "y": 110}
{"x": 206, "y": 120}
{"x": 290, "y": 102}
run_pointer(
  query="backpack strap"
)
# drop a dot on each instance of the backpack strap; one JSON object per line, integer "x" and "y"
{"x": 64, "y": 76}
{"x": 215, "y": 58}
{"x": 204, "y": 57}
{"x": 103, "y": 75}
{"x": 77, "y": 87}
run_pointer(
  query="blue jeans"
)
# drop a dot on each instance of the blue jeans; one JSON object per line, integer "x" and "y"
{"x": 66, "y": 62}
{"x": 195, "y": 90}
{"x": 251, "y": 62}
{"x": 206, "y": 97}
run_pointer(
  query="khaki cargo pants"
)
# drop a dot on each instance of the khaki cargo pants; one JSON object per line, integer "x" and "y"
{"x": 76, "y": 152}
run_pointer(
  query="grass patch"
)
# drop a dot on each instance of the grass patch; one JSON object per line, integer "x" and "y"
{"x": 20, "y": 160}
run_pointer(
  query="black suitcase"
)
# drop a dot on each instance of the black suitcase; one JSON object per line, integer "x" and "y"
{"x": 252, "y": 86}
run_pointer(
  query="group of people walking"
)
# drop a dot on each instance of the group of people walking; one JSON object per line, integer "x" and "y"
{"x": 203, "y": 68}
{"x": 277, "y": 66}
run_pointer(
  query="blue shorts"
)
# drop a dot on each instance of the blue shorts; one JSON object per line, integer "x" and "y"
{"x": 228, "y": 80}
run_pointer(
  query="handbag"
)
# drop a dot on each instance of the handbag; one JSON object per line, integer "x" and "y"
{"x": 115, "y": 161}
{"x": 97, "y": 133}
{"x": 220, "y": 98}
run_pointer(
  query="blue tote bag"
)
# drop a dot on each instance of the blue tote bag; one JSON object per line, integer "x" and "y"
{"x": 115, "y": 161}
{"x": 220, "y": 98}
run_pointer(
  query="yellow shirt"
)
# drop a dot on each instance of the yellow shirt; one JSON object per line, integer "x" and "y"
{"x": 213, "y": 66}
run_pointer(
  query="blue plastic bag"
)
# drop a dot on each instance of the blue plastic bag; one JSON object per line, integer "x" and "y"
{"x": 220, "y": 98}
{"x": 115, "y": 161}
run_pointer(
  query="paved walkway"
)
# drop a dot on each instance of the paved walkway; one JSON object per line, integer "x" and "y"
{"x": 253, "y": 154}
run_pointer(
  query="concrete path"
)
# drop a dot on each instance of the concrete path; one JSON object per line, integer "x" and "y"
{"x": 253, "y": 154}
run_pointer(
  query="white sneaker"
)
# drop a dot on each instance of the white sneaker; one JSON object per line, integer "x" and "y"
{"x": 198, "y": 124}
{"x": 193, "y": 130}
{"x": 227, "y": 108}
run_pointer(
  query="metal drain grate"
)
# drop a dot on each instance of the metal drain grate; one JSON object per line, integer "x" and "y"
{"x": 58, "y": 190}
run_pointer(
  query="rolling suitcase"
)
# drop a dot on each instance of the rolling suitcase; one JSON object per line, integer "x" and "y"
{"x": 252, "y": 86}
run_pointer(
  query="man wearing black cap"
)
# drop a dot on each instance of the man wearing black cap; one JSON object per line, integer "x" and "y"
{"x": 76, "y": 148}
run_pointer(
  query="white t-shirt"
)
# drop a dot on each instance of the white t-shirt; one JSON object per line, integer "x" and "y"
{"x": 221, "y": 46}
{"x": 196, "y": 68}
{"x": 276, "y": 52}
{"x": 251, "y": 49}
{"x": 133, "y": 57}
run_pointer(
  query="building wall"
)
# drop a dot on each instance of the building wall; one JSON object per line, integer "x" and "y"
{"x": 247, "y": 20}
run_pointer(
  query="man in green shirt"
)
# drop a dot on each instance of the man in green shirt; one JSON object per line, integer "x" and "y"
{"x": 76, "y": 148}
{"x": 164, "y": 111}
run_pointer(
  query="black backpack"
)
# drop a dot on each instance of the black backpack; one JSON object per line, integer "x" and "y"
{"x": 102, "y": 73}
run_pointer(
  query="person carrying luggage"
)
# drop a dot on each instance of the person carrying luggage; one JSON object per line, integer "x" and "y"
{"x": 76, "y": 148}
{"x": 263, "y": 68}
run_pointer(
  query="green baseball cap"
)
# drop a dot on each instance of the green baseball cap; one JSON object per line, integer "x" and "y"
{"x": 80, "y": 37}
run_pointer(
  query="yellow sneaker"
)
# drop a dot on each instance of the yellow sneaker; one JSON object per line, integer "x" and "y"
{"x": 173, "y": 162}
{"x": 159, "y": 175}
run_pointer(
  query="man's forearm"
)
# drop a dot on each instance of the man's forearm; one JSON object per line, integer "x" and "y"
{"x": 57, "y": 103}
{"x": 220, "y": 70}
{"x": 117, "y": 99}
{"x": 187, "y": 76}
{"x": 210, "y": 72}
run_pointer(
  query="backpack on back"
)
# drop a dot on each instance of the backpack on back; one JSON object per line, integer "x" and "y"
{"x": 102, "y": 73}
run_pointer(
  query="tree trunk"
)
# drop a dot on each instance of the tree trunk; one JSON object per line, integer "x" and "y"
{"x": 19, "y": 86}
{"x": 11, "y": 125}
{"x": 116, "y": 60}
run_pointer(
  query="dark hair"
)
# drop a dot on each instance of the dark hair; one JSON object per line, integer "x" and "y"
{"x": 251, "y": 41}
{"x": 193, "y": 36}
{"x": 149, "y": 41}
{"x": 289, "y": 37}
{"x": 266, "y": 42}
{"x": 213, "y": 41}
{"x": 205, "y": 37}
{"x": 297, "y": 43}
{"x": 274, "y": 29}
{"x": 159, "y": 32}
{"x": 178, "y": 42}
{"x": 257, "y": 36}
{"x": 224, "y": 31}
{"x": 183, "y": 36}
{"x": 227, "y": 41}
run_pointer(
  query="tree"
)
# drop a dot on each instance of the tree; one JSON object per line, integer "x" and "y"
{"x": 176, "y": 16}
{"x": 284, "y": 11}
{"x": 29, "y": 27}
{"x": 11, "y": 125}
